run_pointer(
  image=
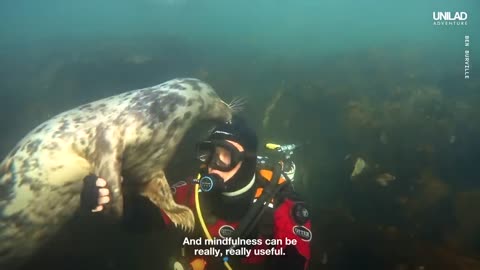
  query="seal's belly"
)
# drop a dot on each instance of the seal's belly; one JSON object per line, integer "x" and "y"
{"x": 49, "y": 173}
{"x": 64, "y": 167}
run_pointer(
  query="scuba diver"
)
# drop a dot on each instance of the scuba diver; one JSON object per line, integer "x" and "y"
{"x": 234, "y": 196}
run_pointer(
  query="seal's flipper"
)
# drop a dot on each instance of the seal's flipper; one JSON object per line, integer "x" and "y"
{"x": 107, "y": 156}
{"x": 160, "y": 194}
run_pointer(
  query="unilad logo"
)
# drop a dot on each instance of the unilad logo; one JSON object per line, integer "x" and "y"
{"x": 450, "y": 18}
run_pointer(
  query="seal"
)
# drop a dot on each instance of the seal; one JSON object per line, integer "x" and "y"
{"x": 129, "y": 136}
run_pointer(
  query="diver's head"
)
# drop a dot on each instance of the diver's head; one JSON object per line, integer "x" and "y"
{"x": 230, "y": 153}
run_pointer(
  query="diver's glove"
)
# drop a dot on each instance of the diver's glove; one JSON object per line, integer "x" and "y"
{"x": 95, "y": 193}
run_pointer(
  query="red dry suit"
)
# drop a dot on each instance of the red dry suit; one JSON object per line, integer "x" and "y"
{"x": 286, "y": 220}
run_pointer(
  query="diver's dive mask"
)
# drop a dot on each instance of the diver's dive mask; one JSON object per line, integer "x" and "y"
{"x": 219, "y": 154}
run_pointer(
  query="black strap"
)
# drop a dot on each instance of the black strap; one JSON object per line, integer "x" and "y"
{"x": 254, "y": 214}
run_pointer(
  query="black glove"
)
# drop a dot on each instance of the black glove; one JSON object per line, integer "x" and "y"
{"x": 94, "y": 194}
{"x": 140, "y": 214}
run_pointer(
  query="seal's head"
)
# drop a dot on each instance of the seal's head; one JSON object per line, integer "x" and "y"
{"x": 183, "y": 100}
{"x": 215, "y": 107}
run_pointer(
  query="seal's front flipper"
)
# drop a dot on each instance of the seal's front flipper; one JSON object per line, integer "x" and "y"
{"x": 159, "y": 193}
{"x": 107, "y": 157}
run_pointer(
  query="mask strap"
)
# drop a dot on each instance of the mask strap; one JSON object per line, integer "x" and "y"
{"x": 240, "y": 191}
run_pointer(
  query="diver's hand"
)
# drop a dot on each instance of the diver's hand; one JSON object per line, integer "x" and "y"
{"x": 95, "y": 193}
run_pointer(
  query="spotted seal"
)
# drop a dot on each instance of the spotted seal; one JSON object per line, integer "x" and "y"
{"x": 132, "y": 134}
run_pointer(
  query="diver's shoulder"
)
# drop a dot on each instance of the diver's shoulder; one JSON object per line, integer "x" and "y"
{"x": 294, "y": 209}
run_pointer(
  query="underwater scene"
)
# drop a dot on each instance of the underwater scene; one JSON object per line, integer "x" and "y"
{"x": 383, "y": 98}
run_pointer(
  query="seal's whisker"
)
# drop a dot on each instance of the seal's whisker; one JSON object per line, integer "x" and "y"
{"x": 237, "y": 104}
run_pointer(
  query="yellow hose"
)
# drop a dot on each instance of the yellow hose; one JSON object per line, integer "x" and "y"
{"x": 202, "y": 222}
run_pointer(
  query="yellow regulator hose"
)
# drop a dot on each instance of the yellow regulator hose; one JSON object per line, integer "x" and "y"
{"x": 202, "y": 222}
